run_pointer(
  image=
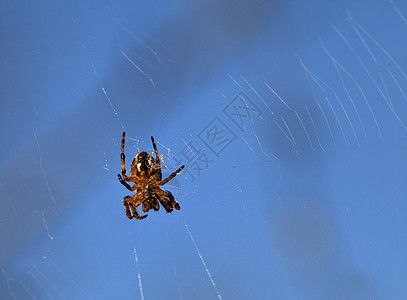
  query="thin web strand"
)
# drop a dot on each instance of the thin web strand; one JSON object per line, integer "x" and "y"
{"x": 289, "y": 131}
{"x": 250, "y": 147}
{"x": 76, "y": 284}
{"x": 46, "y": 279}
{"x": 125, "y": 28}
{"x": 398, "y": 12}
{"x": 275, "y": 93}
{"x": 367, "y": 70}
{"x": 363, "y": 96}
{"x": 42, "y": 168}
{"x": 39, "y": 283}
{"x": 336, "y": 95}
{"x": 353, "y": 21}
{"x": 282, "y": 130}
{"x": 8, "y": 199}
{"x": 308, "y": 75}
{"x": 315, "y": 129}
{"x": 106, "y": 95}
{"x": 203, "y": 262}
{"x": 138, "y": 68}
{"x": 305, "y": 130}
{"x": 262, "y": 150}
{"x": 140, "y": 284}
{"x": 318, "y": 82}
{"x": 335, "y": 63}
{"x": 257, "y": 94}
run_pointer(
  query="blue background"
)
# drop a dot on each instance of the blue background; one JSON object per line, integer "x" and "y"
{"x": 291, "y": 119}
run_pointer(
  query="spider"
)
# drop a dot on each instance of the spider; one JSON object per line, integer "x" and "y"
{"x": 145, "y": 172}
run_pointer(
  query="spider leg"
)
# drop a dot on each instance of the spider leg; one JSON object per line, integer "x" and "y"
{"x": 162, "y": 182}
{"x": 146, "y": 206}
{"x": 128, "y": 203}
{"x": 157, "y": 159}
{"x": 123, "y": 158}
{"x": 155, "y": 204}
{"x": 135, "y": 213}
{"x": 165, "y": 203}
{"x": 127, "y": 208}
{"x": 169, "y": 195}
{"x": 130, "y": 188}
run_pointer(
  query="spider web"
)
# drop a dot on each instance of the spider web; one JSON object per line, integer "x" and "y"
{"x": 291, "y": 120}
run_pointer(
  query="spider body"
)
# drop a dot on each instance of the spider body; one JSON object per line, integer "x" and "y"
{"x": 145, "y": 173}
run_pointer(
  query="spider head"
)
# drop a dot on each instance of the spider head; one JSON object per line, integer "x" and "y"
{"x": 143, "y": 163}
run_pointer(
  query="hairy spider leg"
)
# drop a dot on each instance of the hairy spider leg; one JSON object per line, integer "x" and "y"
{"x": 127, "y": 208}
{"x": 169, "y": 195}
{"x": 162, "y": 182}
{"x": 128, "y": 202}
{"x": 157, "y": 158}
{"x": 123, "y": 158}
{"x": 146, "y": 206}
{"x": 130, "y": 188}
{"x": 155, "y": 204}
{"x": 135, "y": 213}
{"x": 165, "y": 203}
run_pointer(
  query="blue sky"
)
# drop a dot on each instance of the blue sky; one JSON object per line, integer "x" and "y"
{"x": 291, "y": 119}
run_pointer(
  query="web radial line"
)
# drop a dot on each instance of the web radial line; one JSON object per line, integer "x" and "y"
{"x": 274, "y": 92}
{"x": 243, "y": 205}
{"x": 363, "y": 95}
{"x": 343, "y": 85}
{"x": 398, "y": 12}
{"x": 262, "y": 150}
{"x": 288, "y": 129}
{"x": 106, "y": 95}
{"x": 286, "y": 135}
{"x": 248, "y": 145}
{"x": 292, "y": 137}
{"x": 265, "y": 153}
{"x": 315, "y": 129}
{"x": 353, "y": 21}
{"x": 309, "y": 76}
{"x": 390, "y": 103}
{"x": 257, "y": 94}
{"x": 335, "y": 63}
{"x": 138, "y": 68}
{"x": 354, "y": 25}
{"x": 174, "y": 268}
{"x": 305, "y": 130}
{"x": 138, "y": 39}
{"x": 230, "y": 76}
{"x": 366, "y": 69}
{"x": 320, "y": 82}
{"x": 44, "y": 221}
{"x": 337, "y": 120}
{"x": 329, "y": 126}
{"x": 10, "y": 279}
{"x": 140, "y": 284}
{"x": 398, "y": 85}
{"x": 71, "y": 280}
{"x": 39, "y": 283}
{"x": 42, "y": 168}
{"x": 46, "y": 279}
{"x": 8, "y": 199}
{"x": 203, "y": 262}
